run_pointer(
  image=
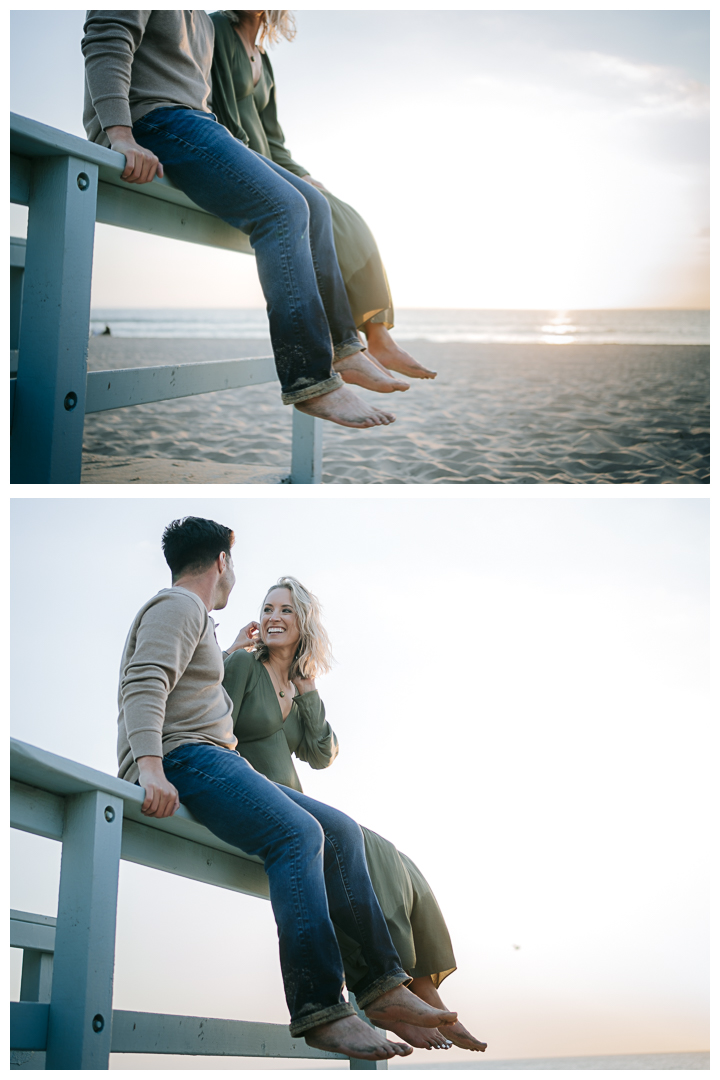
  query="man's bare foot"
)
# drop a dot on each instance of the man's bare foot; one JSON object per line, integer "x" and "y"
{"x": 422, "y": 1037}
{"x": 353, "y": 1037}
{"x": 344, "y": 407}
{"x": 400, "y": 1004}
{"x": 459, "y": 1035}
{"x": 382, "y": 348}
{"x": 362, "y": 371}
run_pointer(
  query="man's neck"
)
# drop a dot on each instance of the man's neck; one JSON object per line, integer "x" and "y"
{"x": 201, "y": 586}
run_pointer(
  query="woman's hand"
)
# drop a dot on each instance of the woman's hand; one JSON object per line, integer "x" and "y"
{"x": 303, "y": 686}
{"x": 247, "y": 638}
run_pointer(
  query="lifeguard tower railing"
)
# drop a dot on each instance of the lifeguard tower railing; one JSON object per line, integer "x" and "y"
{"x": 65, "y": 1018}
{"x": 68, "y": 184}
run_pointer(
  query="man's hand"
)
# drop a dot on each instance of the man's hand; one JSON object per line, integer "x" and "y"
{"x": 141, "y": 165}
{"x": 161, "y": 798}
{"x": 247, "y": 638}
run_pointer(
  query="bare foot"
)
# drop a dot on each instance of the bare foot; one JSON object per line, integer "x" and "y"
{"x": 390, "y": 355}
{"x": 422, "y": 1037}
{"x": 353, "y": 1037}
{"x": 400, "y": 1004}
{"x": 459, "y": 1035}
{"x": 344, "y": 407}
{"x": 362, "y": 371}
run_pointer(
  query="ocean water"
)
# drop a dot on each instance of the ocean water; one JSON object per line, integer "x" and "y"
{"x": 690, "y": 1060}
{"x": 440, "y": 326}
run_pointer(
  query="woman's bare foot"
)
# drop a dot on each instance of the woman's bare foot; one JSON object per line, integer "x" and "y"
{"x": 362, "y": 371}
{"x": 390, "y": 355}
{"x": 353, "y": 1037}
{"x": 459, "y": 1035}
{"x": 399, "y": 1004}
{"x": 342, "y": 406}
{"x": 422, "y": 1037}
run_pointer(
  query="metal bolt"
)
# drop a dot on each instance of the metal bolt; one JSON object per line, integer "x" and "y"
{"x": 71, "y": 401}
{"x": 98, "y": 1022}
{"x": 109, "y": 813}
{"x": 83, "y": 181}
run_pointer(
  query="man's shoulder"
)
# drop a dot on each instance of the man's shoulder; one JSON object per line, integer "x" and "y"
{"x": 175, "y": 603}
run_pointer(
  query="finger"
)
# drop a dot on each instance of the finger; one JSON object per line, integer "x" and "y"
{"x": 129, "y": 166}
{"x": 160, "y": 171}
{"x": 151, "y": 801}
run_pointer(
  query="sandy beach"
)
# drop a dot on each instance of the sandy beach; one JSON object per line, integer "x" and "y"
{"x": 496, "y": 414}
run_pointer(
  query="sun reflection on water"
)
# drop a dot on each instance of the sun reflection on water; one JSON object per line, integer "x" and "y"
{"x": 559, "y": 330}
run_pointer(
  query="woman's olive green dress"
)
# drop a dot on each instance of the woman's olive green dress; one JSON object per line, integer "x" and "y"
{"x": 250, "y": 114}
{"x": 411, "y": 911}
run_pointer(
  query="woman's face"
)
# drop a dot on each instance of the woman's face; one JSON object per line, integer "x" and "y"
{"x": 278, "y": 621}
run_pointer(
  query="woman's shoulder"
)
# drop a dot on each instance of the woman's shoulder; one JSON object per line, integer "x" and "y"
{"x": 223, "y": 27}
{"x": 241, "y": 662}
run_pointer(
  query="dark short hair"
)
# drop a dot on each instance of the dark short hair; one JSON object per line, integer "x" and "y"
{"x": 192, "y": 544}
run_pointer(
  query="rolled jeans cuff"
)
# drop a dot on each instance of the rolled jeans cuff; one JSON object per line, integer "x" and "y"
{"x": 294, "y": 397}
{"x": 348, "y": 348}
{"x": 381, "y": 986}
{"x": 322, "y": 1016}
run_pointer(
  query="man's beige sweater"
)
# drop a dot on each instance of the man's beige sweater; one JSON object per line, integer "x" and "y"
{"x": 171, "y": 679}
{"x": 137, "y": 61}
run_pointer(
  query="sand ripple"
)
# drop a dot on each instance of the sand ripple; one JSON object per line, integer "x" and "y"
{"x": 523, "y": 414}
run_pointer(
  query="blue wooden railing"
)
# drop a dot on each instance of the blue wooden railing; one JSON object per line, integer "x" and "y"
{"x": 68, "y": 184}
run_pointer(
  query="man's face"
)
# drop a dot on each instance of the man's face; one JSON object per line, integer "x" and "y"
{"x": 226, "y": 583}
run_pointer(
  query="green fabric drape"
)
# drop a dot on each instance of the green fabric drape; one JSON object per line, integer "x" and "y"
{"x": 250, "y": 115}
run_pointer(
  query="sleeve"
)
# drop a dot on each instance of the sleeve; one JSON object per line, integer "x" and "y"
{"x": 111, "y": 40}
{"x": 239, "y": 668}
{"x": 318, "y": 746}
{"x": 274, "y": 133}
{"x": 165, "y": 642}
{"x": 223, "y": 100}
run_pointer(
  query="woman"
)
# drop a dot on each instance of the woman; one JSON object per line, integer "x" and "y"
{"x": 244, "y": 101}
{"x": 277, "y": 712}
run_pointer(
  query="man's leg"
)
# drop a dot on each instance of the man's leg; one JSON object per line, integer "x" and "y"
{"x": 232, "y": 182}
{"x": 245, "y": 809}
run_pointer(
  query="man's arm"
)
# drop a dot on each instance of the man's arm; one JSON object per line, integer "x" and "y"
{"x": 109, "y": 45}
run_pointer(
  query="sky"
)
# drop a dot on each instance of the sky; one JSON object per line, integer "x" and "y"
{"x": 520, "y": 699}
{"x": 503, "y": 159}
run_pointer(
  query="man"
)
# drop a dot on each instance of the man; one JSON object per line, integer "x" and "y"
{"x": 175, "y": 739}
{"x": 147, "y": 91}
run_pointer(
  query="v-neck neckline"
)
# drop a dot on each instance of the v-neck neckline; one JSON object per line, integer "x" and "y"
{"x": 246, "y": 54}
{"x": 275, "y": 695}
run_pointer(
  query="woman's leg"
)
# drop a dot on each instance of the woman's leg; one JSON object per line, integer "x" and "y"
{"x": 390, "y": 355}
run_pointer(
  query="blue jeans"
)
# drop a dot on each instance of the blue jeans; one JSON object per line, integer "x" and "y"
{"x": 315, "y": 860}
{"x": 289, "y": 224}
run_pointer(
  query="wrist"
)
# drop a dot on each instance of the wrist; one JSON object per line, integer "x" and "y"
{"x": 118, "y": 132}
{"x": 150, "y": 765}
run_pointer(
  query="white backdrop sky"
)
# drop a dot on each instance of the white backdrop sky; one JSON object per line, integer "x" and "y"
{"x": 525, "y": 159}
{"x": 520, "y": 701}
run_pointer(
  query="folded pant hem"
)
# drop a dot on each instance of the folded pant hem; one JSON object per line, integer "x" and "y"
{"x": 322, "y": 1016}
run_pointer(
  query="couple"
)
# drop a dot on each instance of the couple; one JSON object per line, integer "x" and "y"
{"x": 176, "y": 740}
{"x": 148, "y": 96}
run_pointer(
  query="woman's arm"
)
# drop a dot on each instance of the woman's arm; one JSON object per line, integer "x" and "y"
{"x": 318, "y": 746}
{"x": 223, "y": 100}
{"x": 275, "y": 137}
{"x": 239, "y": 667}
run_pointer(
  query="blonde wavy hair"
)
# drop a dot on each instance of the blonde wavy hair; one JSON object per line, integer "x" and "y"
{"x": 313, "y": 656}
{"x": 275, "y": 24}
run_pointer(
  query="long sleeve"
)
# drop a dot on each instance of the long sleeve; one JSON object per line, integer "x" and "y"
{"x": 274, "y": 133}
{"x": 318, "y": 746}
{"x": 165, "y": 642}
{"x": 223, "y": 100}
{"x": 239, "y": 667}
{"x": 111, "y": 40}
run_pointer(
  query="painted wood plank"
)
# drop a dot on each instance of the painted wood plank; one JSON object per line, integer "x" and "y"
{"x": 28, "y": 1025}
{"x": 307, "y": 449}
{"x": 80, "y": 1022}
{"x": 176, "y": 855}
{"x": 144, "y": 212}
{"x": 159, "y": 1033}
{"x": 35, "y": 811}
{"x": 29, "y": 931}
{"x": 121, "y": 387}
{"x": 49, "y": 407}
